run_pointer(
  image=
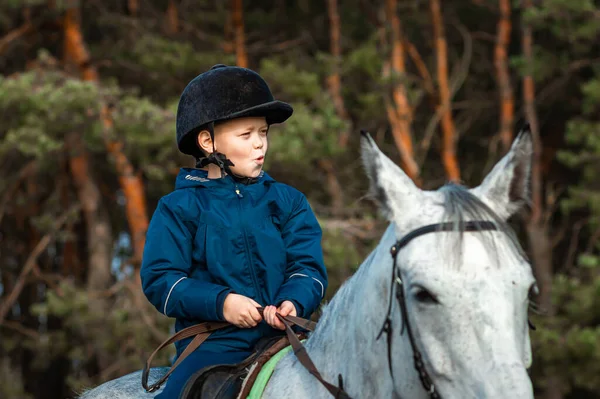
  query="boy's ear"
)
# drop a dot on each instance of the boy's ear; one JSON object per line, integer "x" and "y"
{"x": 205, "y": 142}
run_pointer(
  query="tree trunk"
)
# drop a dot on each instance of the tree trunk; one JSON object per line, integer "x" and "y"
{"x": 398, "y": 108}
{"x": 133, "y": 189}
{"x": 99, "y": 244}
{"x": 13, "y": 35}
{"x": 71, "y": 266}
{"x": 503, "y": 76}
{"x": 228, "y": 34}
{"x": 237, "y": 10}
{"x": 423, "y": 71}
{"x": 133, "y": 6}
{"x": 449, "y": 132}
{"x": 98, "y": 232}
{"x": 130, "y": 182}
{"x": 537, "y": 229}
{"x": 334, "y": 81}
{"x": 172, "y": 18}
{"x": 75, "y": 50}
{"x": 544, "y": 269}
{"x": 334, "y": 188}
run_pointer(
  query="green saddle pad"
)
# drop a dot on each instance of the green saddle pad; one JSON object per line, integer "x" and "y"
{"x": 265, "y": 374}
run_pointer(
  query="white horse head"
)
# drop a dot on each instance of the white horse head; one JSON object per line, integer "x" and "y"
{"x": 467, "y": 293}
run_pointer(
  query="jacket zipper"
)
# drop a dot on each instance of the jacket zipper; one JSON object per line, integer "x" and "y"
{"x": 248, "y": 253}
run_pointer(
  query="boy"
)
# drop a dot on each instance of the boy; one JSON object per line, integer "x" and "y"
{"x": 229, "y": 238}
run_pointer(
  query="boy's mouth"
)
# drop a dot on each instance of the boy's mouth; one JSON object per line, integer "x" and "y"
{"x": 260, "y": 159}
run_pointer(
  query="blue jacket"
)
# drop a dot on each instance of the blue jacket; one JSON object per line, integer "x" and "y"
{"x": 211, "y": 237}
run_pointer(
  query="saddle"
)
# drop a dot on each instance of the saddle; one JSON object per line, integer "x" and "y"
{"x": 232, "y": 381}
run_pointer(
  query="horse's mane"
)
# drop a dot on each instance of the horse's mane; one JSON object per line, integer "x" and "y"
{"x": 460, "y": 206}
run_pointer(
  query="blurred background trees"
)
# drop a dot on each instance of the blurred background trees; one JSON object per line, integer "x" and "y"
{"x": 88, "y": 94}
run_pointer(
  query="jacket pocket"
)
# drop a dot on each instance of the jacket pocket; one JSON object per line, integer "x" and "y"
{"x": 216, "y": 247}
{"x": 221, "y": 252}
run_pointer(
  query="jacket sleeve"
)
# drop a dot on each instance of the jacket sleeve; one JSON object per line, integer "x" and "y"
{"x": 166, "y": 266}
{"x": 305, "y": 276}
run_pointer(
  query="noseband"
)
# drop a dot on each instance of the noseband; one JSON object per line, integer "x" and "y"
{"x": 400, "y": 296}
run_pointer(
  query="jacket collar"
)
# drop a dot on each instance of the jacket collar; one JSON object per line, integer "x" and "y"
{"x": 192, "y": 177}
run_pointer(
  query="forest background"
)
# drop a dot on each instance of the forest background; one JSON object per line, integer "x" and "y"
{"x": 88, "y": 94}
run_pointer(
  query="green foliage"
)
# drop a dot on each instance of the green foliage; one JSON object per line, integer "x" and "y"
{"x": 25, "y": 3}
{"x": 341, "y": 255}
{"x": 568, "y": 344}
{"x": 544, "y": 64}
{"x": 583, "y": 134}
{"x": 11, "y": 382}
{"x": 591, "y": 92}
{"x": 571, "y": 20}
{"x": 163, "y": 56}
{"x": 363, "y": 65}
{"x": 40, "y": 107}
{"x": 313, "y": 131}
{"x": 307, "y": 137}
{"x": 111, "y": 324}
{"x": 148, "y": 131}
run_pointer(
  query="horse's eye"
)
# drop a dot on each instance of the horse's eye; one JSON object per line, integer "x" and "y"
{"x": 424, "y": 296}
{"x": 533, "y": 292}
{"x": 532, "y": 297}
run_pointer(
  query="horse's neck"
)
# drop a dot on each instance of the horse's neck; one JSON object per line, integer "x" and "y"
{"x": 346, "y": 340}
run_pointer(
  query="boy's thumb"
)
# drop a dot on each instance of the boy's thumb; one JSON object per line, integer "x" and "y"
{"x": 285, "y": 308}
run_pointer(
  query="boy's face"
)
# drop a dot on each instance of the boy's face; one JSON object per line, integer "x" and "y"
{"x": 243, "y": 141}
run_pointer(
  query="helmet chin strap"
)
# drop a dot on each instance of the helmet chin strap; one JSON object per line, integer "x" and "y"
{"x": 222, "y": 161}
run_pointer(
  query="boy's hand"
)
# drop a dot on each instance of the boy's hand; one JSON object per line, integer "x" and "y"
{"x": 241, "y": 311}
{"x": 286, "y": 308}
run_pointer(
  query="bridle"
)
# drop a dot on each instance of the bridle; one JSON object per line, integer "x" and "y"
{"x": 426, "y": 380}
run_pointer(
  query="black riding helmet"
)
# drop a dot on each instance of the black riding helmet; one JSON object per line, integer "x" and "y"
{"x": 219, "y": 94}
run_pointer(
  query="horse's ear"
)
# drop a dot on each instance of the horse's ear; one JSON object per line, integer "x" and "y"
{"x": 506, "y": 188}
{"x": 390, "y": 187}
